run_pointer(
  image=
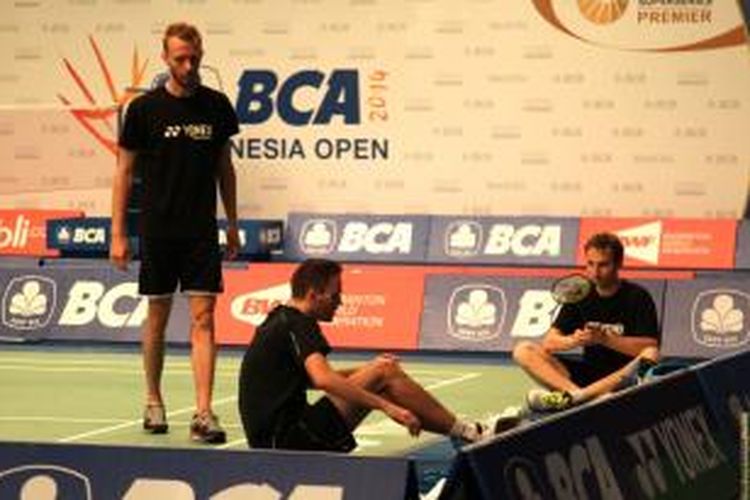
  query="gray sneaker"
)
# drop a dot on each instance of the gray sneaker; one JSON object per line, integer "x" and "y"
{"x": 155, "y": 419}
{"x": 205, "y": 428}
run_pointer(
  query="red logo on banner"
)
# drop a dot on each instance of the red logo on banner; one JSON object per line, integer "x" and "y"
{"x": 381, "y": 305}
{"x": 24, "y": 232}
{"x": 669, "y": 243}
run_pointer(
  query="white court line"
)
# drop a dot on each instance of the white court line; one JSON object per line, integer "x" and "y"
{"x": 371, "y": 429}
{"x": 63, "y": 369}
{"x": 52, "y": 360}
{"x": 130, "y": 423}
{"x": 61, "y": 420}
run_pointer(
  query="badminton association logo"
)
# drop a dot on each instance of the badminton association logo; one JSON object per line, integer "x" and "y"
{"x": 476, "y": 312}
{"x": 99, "y": 117}
{"x": 720, "y": 318}
{"x": 29, "y": 302}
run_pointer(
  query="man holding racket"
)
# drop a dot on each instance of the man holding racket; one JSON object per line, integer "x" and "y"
{"x": 179, "y": 134}
{"x": 287, "y": 357}
{"x": 614, "y": 322}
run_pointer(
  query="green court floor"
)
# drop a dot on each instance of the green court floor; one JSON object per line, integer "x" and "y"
{"x": 94, "y": 396}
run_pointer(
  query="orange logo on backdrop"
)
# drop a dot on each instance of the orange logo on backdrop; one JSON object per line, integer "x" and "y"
{"x": 99, "y": 119}
{"x": 602, "y": 12}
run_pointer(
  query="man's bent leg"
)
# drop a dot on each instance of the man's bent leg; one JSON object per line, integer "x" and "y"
{"x": 386, "y": 378}
{"x": 543, "y": 366}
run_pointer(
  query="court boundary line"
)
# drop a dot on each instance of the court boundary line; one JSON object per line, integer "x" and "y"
{"x": 130, "y": 423}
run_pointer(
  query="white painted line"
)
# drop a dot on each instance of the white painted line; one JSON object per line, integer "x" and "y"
{"x": 61, "y": 420}
{"x": 168, "y": 371}
{"x": 130, "y": 423}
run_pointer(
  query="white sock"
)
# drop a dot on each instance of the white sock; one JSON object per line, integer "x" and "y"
{"x": 465, "y": 430}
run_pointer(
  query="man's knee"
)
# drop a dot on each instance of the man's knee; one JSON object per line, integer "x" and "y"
{"x": 651, "y": 353}
{"x": 202, "y": 321}
{"x": 387, "y": 369}
{"x": 525, "y": 352}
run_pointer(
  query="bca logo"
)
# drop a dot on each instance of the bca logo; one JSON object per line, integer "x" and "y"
{"x": 29, "y": 302}
{"x": 44, "y": 482}
{"x": 476, "y": 312}
{"x": 304, "y": 98}
{"x": 463, "y": 239}
{"x": 522, "y": 480}
{"x": 253, "y": 307}
{"x": 90, "y": 235}
{"x": 318, "y": 236}
{"x": 721, "y": 318}
{"x": 466, "y": 238}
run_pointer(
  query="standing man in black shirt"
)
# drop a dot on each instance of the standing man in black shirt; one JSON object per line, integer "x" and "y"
{"x": 179, "y": 135}
{"x": 616, "y": 325}
{"x": 287, "y": 357}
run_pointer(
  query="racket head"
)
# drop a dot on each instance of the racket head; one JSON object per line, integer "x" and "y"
{"x": 571, "y": 289}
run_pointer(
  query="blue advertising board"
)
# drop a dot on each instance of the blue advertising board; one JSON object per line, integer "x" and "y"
{"x": 503, "y": 240}
{"x": 357, "y": 238}
{"x": 83, "y": 472}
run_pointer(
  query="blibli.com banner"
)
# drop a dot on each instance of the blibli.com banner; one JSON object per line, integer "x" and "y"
{"x": 509, "y": 240}
{"x": 491, "y": 313}
{"x": 524, "y": 107}
{"x": 78, "y": 472}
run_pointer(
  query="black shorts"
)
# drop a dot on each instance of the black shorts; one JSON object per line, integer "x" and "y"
{"x": 320, "y": 428}
{"x": 582, "y": 373}
{"x": 193, "y": 263}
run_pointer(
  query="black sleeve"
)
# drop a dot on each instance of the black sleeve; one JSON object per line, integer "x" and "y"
{"x": 133, "y": 133}
{"x": 568, "y": 319}
{"x": 228, "y": 119}
{"x": 307, "y": 339}
{"x": 646, "y": 323}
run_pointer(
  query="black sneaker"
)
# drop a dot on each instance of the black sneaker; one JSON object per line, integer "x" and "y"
{"x": 155, "y": 419}
{"x": 205, "y": 428}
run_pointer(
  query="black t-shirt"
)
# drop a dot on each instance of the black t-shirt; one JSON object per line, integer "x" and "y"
{"x": 631, "y": 310}
{"x": 273, "y": 379}
{"x": 177, "y": 141}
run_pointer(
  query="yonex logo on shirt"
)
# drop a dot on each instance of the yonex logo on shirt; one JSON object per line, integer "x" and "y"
{"x": 196, "y": 131}
{"x": 172, "y": 131}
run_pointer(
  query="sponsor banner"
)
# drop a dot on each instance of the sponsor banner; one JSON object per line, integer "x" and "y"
{"x": 90, "y": 236}
{"x": 742, "y": 259}
{"x": 726, "y": 383}
{"x": 380, "y": 305}
{"x": 24, "y": 232}
{"x": 507, "y": 240}
{"x": 491, "y": 312}
{"x": 84, "y": 236}
{"x": 669, "y": 243}
{"x": 91, "y": 301}
{"x": 657, "y": 441}
{"x": 85, "y": 472}
{"x": 394, "y": 238}
{"x": 258, "y": 238}
{"x": 707, "y": 317}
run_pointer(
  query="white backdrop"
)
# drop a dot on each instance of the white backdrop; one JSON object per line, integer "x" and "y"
{"x": 483, "y": 106}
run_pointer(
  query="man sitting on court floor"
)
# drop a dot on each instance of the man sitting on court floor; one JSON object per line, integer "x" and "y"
{"x": 616, "y": 325}
{"x": 288, "y": 356}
